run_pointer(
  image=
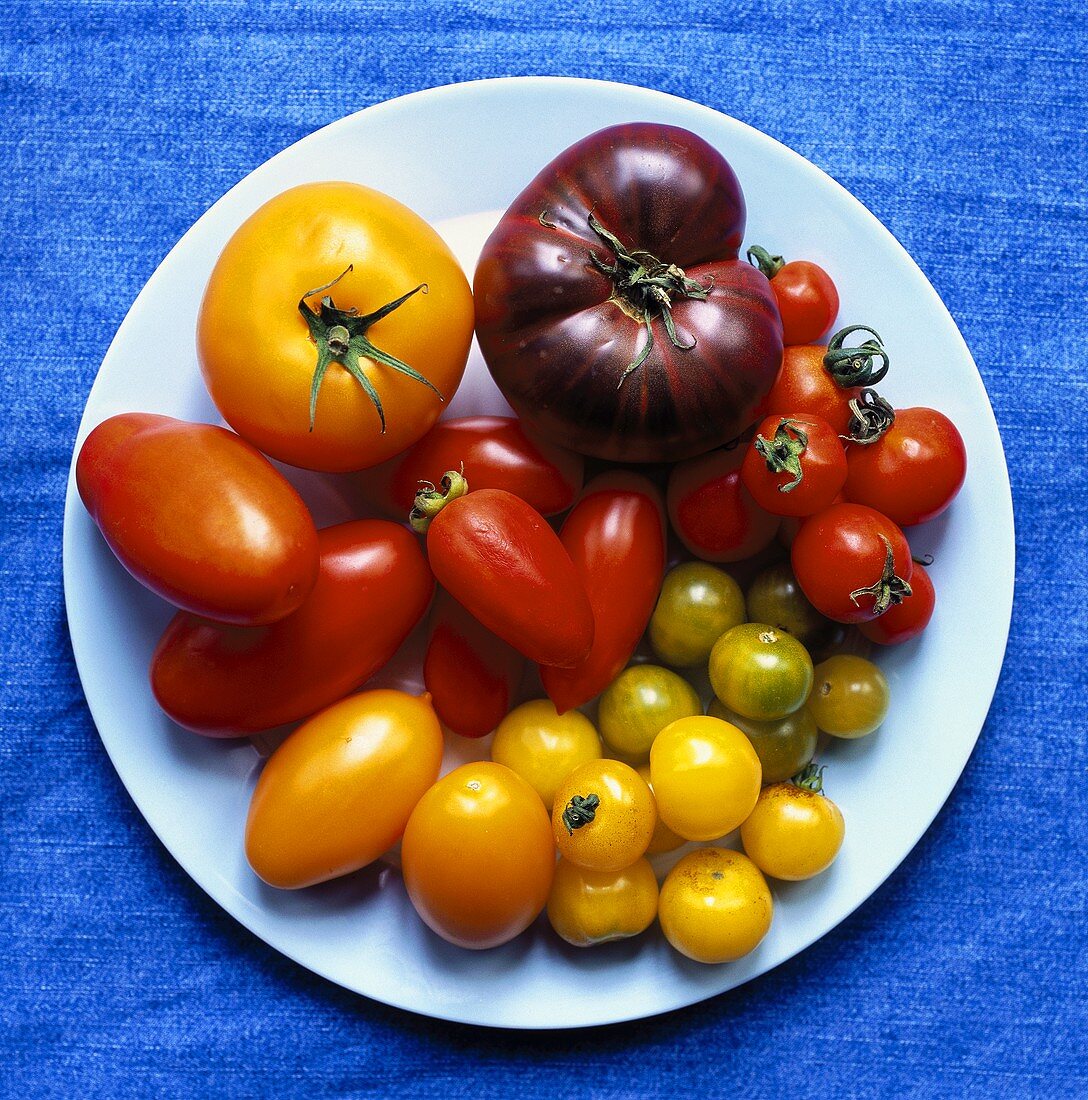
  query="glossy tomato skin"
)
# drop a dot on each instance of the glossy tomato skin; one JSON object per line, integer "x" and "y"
{"x": 338, "y": 792}
{"x": 793, "y": 833}
{"x": 494, "y": 452}
{"x": 822, "y": 466}
{"x": 372, "y": 588}
{"x": 908, "y": 619}
{"x": 590, "y": 907}
{"x": 255, "y": 348}
{"x": 807, "y": 300}
{"x": 478, "y": 857}
{"x": 712, "y": 512}
{"x": 556, "y": 340}
{"x": 199, "y": 516}
{"x": 499, "y": 558}
{"x": 471, "y": 674}
{"x": 913, "y": 472}
{"x": 615, "y": 536}
{"x": 805, "y": 385}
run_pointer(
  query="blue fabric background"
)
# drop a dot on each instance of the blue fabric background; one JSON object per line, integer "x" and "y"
{"x": 962, "y": 126}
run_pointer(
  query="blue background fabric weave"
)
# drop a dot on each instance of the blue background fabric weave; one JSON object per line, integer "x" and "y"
{"x": 962, "y": 126}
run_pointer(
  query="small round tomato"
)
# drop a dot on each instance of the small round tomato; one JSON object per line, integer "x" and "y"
{"x": 784, "y": 745}
{"x": 795, "y": 465}
{"x": 697, "y": 605}
{"x": 603, "y": 816}
{"x": 850, "y": 696}
{"x": 715, "y": 906}
{"x": 774, "y": 597}
{"x": 852, "y": 563}
{"x": 664, "y": 839}
{"x": 808, "y": 301}
{"x": 589, "y": 907}
{"x": 706, "y": 777}
{"x": 805, "y": 385}
{"x": 913, "y": 471}
{"x": 795, "y": 831}
{"x": 478, "y": 857}
{"x": 641, "y": 702}
{"x": 338, "y": 792}
{"x": 908, "y": 619}
{"x": 760, "y": 672}
{"x": 543, "y": 746}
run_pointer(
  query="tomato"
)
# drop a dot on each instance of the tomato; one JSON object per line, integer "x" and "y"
{"x": 478, "y": 857}
{"x": 706, "y": 777}
{"x": 337, "y": 793}
{"x": 641, "y": 702}
{"x": 589, "y": 907}
{"x": 611, "y": 308}
{"x": 908, "y": 619}
{"x": 760, "y": 672}
{"x": 499, "y": 559}
{"x": 795, "y": 831}
{"x": 312, "y": 338}
{"x": 804, "y": 385}
{"x": 913, "y": 471}
{"x": 712, "y": 513}
{"x": 472, "y": 675}
{"x": 615, "y": 536}
{"x": 806, "y": 295}
{"x": 543, "y": 746}
{"x": 774, "y": 597}
{"x": 603, "y": 816}
{"x": 784, "y": 745}
{"x": 795, "y": 465}
{"x": 199, "y": 517}
{"x": 852, "y": 563}
{"x": 697, "y": 605}
{"x": 222, "y": 681}
{"x": 664, "y": 839}
{"x": 850, "y": 696}
{"x": 493, "y": 452}
{"x": 715, "y": 906}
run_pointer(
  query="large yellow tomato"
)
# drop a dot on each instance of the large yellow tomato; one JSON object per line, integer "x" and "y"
{"x": 298, "y": 346}
{"x": 337, "y": 793}
{"x": 590, "y": 907}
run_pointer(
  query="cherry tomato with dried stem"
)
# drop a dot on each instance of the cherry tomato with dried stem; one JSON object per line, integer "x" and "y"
{"x": 908, "y": 619}
{"x": 784, "y": 745}
{"x": 795, "y": 465}
{"x": 697, "y": 605}
{"x": 850, "y": 696}
{"x": 808, "y": 300}
{"x": 589, "y": 907}
{"x": 760, "y": 672}
{"x": 639, "y": 704}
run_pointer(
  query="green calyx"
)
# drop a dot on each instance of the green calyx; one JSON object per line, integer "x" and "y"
{"x": 580, "y": 811}
{"x": 810, "y": 778}
{"x": 870, "y": 417}
{"x": 431, "y": 500}
{"x": 341, "y": 337}
{"x": 888, "y": 589}
{"x": 760, "y": 258}
{"x": 864, "y": 365}
{"x": 783, "y": 451}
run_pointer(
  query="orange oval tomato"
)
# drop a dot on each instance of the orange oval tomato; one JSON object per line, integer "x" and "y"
{"x": 289, "y": 314}
{"x": 337, "y": 793}
{"x": 478, "y": 857}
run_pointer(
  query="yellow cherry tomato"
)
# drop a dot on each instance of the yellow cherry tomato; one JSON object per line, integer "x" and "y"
{"x": 338, "y": 792}
{"x": 760, "y": 671}
{"x": 715, "y": 906}
{"x": 543, "y": 746}
{"x": 850, "y": 696}
{"x": 641, "y": 702}
{"x": 590, "y": 907}
{"x": 664, "y": 839}
{"x": 603, "y": 816}
{"x": 706, "y": 777}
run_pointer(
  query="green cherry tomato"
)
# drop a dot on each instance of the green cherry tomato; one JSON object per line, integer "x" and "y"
{"x": 641, "y": 702}
{"x": 849, "y": 697}
{"x": 760, "y": 671}
{"x": 697, "y": 605}
{"x": 775, "y": 597}
{"x": 784, "y": 745}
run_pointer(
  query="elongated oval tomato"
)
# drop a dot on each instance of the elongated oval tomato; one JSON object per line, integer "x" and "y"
{"x": 221, "y": 681}
{"x": 199, "y": 517}
{"x": 471, "y": 674}
{"x": 499, "y": 558}
{"x": 493, "y": 452}
{"x": 339, "y": 791}
{"x": 615, "y": 536}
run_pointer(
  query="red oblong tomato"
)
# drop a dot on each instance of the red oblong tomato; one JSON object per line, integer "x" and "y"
{"x": 199, "y": 516}
{"x": 615, "y": 536}
{"x": 804, "y": 385}
{"x": 372, "y": 588}
{"x": 906, "y": 620}
{"x": 712, "y": 512}
{"x": 471, "y": 674}
{"x": 493, "y": 452}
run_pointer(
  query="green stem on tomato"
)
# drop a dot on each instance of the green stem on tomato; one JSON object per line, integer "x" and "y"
{"x": 782, "y": 453}
{"x": 580, "y": 811}
{"x": 870, "y": 417}
{"x": 856, "y": 366}
{"x": 888, "y": 589}
{"x": 760, "y": 258}
{"x": 431, "y": 500}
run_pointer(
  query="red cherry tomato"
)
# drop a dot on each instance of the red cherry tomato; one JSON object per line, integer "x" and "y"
{"x": 199, "y": 516}
{"x": 493, "y": 452}
{"x": 913, "y": 471}
{"x": 851, "y": 562}
{"x": 795, "y": 465}
{"x": 615, "y": 536}
{"x": 906, "y": 620}
{"x": 712, "y": 513}
{"x": 221, "y": 681}
{"x": 807, "y": 298}
{"x": 472, "y": 675}
{"x": 498, "y": 558}
{"x": 804, "y": 385}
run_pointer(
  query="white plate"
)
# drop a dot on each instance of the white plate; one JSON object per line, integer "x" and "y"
{"x": 453, "y": 154}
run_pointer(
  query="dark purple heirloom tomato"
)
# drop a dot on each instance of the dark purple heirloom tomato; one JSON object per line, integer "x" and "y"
{"x": 611, "y": 307}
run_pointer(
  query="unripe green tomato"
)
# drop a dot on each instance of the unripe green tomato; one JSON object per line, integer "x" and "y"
{"x": 638, "y": 704}
{"x": 784, "y": 745}
{"x": 697, "y": 605}
{"x": 760, "y": 671}
{"x": 850, "y": 696}
{"x": 774, "y": 597}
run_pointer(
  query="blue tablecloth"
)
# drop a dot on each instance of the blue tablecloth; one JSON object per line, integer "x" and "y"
{"x": 962, "y": 126}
